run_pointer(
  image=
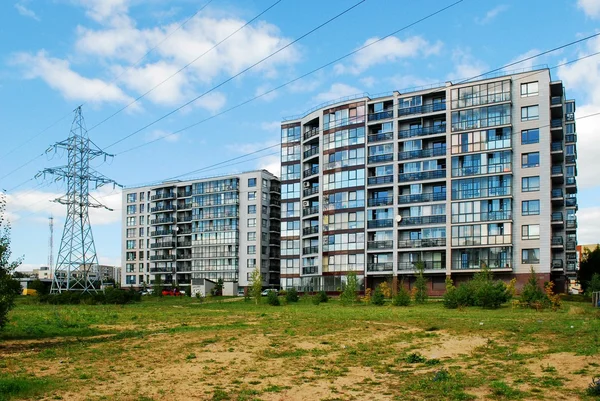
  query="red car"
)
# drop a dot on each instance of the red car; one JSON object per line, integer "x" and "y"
{"x": 173, "y": 293}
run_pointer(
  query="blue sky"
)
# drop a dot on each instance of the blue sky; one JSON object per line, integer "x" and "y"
{"x": 57, "y": 54}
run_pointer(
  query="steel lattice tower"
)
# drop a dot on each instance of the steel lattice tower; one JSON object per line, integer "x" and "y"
{"x": 76, "y": 267}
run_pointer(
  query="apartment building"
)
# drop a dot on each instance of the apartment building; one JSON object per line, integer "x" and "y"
{"x": 453, "y": 176}
{"x": 212, "y": 228}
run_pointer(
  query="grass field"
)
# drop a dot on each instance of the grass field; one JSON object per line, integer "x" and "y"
{"x": 180, "y": 349}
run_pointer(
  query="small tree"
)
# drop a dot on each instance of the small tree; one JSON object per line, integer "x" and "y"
{"x": 532, "y": 294}
{"x": 272, "y": 298}
{"x": 378, "y": 298}
{"x": 292, "y": 295}
{"x": 402, "y": 298}
{"x": 386, "y": 289}
{"x": 348, "y": 296}
{"x": 420, "y": 293}
{"x": 589, "y": 264}
{"x": 218, "y": 289}
{"x": 256, "y": 287}
{"x": 594, "y": 284}
{"x": 9, "y": 288}
{"x": 157, "y": 289}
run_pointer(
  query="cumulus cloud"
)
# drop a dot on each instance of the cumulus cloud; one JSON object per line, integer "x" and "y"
{"x": 591, "y": 8}
{"x": 58, "y": 75}
{"x": 105, "y": 11}
{"x": 26, "y": 12}
{"x": 337, "y": 91}
{"x": 525, "y": 65}
{"x": 588, "y": 220}
{"x": 465, "y": 65}
{"x": 491, "y": 14}
{"x": 388, "y": 50}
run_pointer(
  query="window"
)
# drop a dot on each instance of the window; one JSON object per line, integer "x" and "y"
{"x": 530, "y": 159}
{"x": 251, "y": 223}
{"x": 131, "y": 198}
{"x": 265, "y": 223}
{"x": 529, "y": 89}
{"x": 251, "y": 209}
{"x": 141, "y": 244}
{"x": 131, "y": 209}
{"x": 530, "y": 208}
{"x": 251, "y": 182}
{"x": 131, "y": 244}
{"x": 252, "y": 195}
{"x": 142, "y": 197}
{"x": 252, "y": 236}
{"x": 531, "y": 256}
{"x": 251, "y": 249}
{"x": 531, "y": 231}
{"x": 140, "y": 268}
{"x": 129, "y": 267}
{"x": 530, "y": 184}
{"x": 530, "y": 136}
{"x": 142, "y": 220}
{"x": 142, "y": 208}
{"x": 130, "y": 233}
{"x": 129, "y": 279}
{"x": 130, "y": 221}
{"x": 251, "y": 263}
{"x": 141, "y": 231}
{"x": 530, "y": 113}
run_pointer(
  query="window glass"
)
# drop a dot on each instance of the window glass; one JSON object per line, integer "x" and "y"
{"x": 529, "y": 113}
{"x": 530, "y": 136}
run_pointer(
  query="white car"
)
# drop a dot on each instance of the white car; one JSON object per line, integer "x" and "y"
{"x": 267, "y": 291}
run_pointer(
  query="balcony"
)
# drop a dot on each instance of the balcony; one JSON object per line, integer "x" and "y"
{"x": 382, "y": 115}
{"x": 426, "y": 108}
{"x": 571, "y": 224}
{"x": 165, "y": 244}
{"x": 383, "y": 201}
{"x": 275, "y": 187}
{"x": 571, "y": 266}
{"x": 185, "y": 256}
{"x": 556, "y": 147}
{"x": 184, "y": 194}
{"x": 184, "y": 206}
{"x": 186, "y": 231}
{"x": 187, "y": 219}
{"x": 275, "y": 214}
{"x": 571, "y": 202}
{"x": 557, "y": 218}
{"x": 164, "y": 195}
{"x": 310, "y": 133}
{"x": 557, "y": 171}
{"x": 388, "y": 157}
{"x": 162, "y": 257}
{"x": 310, "y": 210}
{"x": 167, "y": 220}
{"x": 161, "y": 270}
{"x": 380, "y": 267}
{"x": 275, "y": 228}
{"x": 417, "y": 154}
{"x": 571, "y": 181}
{"x": 556, "y": 100}
{"x": 570, "y": 138}
{"x": 557, "y": 241}
{"x": 422, "y": 243}
{"x": 556, "y": 264}
{"x": 407, "y": 221}
{"x": 310, "y": 230}
{"x": 162, "y": 208}
{"x": 556, "y": 123}
{"x": 310, "y": 172}
{"x": 384, "y": 179}
{"x": 571, "y": 246}
{"x": 497, "y": 168}
{"x": 410, "y": 266}
{"x": 184, "y": 244}
{"x": 311, "y": 191}
{"x": 310, "y": 269}
{"x": 310, "y": 250}
{"x": 388, "y": 244}
{"x": 571, "y": 159}
{"x": 381, "y": 136}
{"x": 423, "y": 175}
{"x": 159, "y": 233}
{"x": 557, "y": 195}
{"x": 427, "y": 197}
{"x": 422, "y": 131}
{"x": 383, "y": 223}
{"x": 311, "y": 152}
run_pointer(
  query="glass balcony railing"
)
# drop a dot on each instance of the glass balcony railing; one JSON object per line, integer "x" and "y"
{"x": 556, "y": 147}
{"x": 385, "y": 179}
{"x": 556, "y": 217}
{"x": 570, "y": 138}
{"x": 571, "y": 224}
{"x": 497, "y": 168}
{"x": 311, "y": 152}
{"x": 388, "y": 157}
{"x": 555, "y": 100}
{"x": 310, "y": 172}
{"x": 426, "y": 108}
{"x": 415, "y": 154}
{"x": 557, "y": 170}
{"x": 380, "y": 223}
{"x": 161, "y": 232}
{"x": 557, "y": 241}
{"x": 422, "y": 131}
{"x": 380, "y": 267}
{"x": 556, "y": 123}
{"x": 311, "y": 191}
{"x": 422, "y": 243}
{"x": 429, "y": 265}
{"x": 382, "y": 201}
{"x": 310, "y": 133}
{"x": 557, "y": 264}
{"x": 422, "y": 175}
{"x": 381, "y": 115}
{"x": 427, "y": 197}
{"x": 310, "y": 269}
{"x": 310, "y": 210}
{"x": 162, "y": 208}
{"x": 571, "y": 181}
{"x": 167, "y": 220}
{"x": 407, "y": 221}
{"x": 310, "y": 230}
{"x": 387, "y": 244}
{"x": 166, "y": 244}
{"x": 381, "y": 136}
{"x": 557, "y": 193}
{"x": 571, "y": 202}
{"x": 310, "y": 250}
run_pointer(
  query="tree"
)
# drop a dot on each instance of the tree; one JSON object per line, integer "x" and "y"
{"x": 348, "y": 296}
{"x": 158, "y": 286}
{"x": 420, "y": 289}
{"x": 593, "y": 284}
{"x": 378, "y": 297}
{"x": 589, "y": 264}
{"x": 256, "y": 287}
{"x": 9, "y": 288}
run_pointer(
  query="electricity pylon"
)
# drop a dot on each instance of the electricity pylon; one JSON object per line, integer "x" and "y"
{"x": 76, "y": 267}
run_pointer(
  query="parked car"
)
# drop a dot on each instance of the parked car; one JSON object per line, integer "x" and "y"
{"x": 241, "y": 292}
{"x": 173, "y": 293}
{"x": 266, "y": 292}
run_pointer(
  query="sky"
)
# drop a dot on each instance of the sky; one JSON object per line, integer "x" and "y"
{"x": 156, "y": 79}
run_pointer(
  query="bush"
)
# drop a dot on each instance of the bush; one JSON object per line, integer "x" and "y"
{"x": 109, "y": 296}
{"x": 593, "y": 285}
{"x": 40, "y": 287}
{"x": 322, "y": 295}
{"x": 273, "y": 299}
{"x": 402, "y": 298}
{"x": 292, "y": 295}
{"x": 491, "y": 295}
{"x": 482, "y": 291}
{"x": 315, "y": 299}
{"x": 532, "y": 295}
{"x": 378, "y": 298}
{"x": 348, "y": 296}
{"x": 420, "y": 289}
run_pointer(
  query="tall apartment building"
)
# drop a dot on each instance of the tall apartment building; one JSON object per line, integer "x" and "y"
{"x": 454, "y": 176}
{"x": 214, "y": 228}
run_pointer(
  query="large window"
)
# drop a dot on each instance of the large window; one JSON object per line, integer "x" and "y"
{"x": 130, "y": 221}
{"x": 291, "y": 134}
{"x": 251, "y": 209}
{"x": 481, "y": 187}
{"x": 530, "y": 231}
{"x": 131, "y": 198}
{"x": 251, "y": 236}
{"x": 353, "y": 115}
{"x": 251, "y": 222}
{"x": 290, "y": 172}
{"x": 530, "y": 136}
{"x": 491, "y": 139}
{"x": 290, "y": 209}
{"x": 290, "y": 153}
{"x": 530, "y": 159}
{"x": 344, "y": 200}
{"x": 481, "y": 118}
{"x": 130, "y": 233}
{"x": 529, "y": 113}
{"x": 131, "y": 209}
{"x": 530, "y": 207}
{"x": 476, "y": 95}
{"x": 530, "y": 184}
{"x": 251, "y": 182}
{"x": 131, "y": 244}
{"x": 251, "y": 250}
{"x": 290, "y": 191}
{"x": 252, "y": 195}
{"x": 346, "y": 137}
{"x": 529, "y": 89}
{"x": 531, "y": 256}
{"x": 344, "y": 179}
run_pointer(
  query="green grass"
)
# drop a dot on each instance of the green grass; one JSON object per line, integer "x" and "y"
{"x": 223, "y": 340}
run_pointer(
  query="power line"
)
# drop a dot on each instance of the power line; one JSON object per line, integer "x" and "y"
{"x": 239, "y": 73}
{"x": 185, "y": 66}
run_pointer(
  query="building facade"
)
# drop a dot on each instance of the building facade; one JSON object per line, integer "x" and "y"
{"x": 453, "y": 177}
{"x": 214, "y": 228}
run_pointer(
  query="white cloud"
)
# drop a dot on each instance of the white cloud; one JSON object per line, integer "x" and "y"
{"x": 72, "y": 86}
{"x": 26, "y": 12}
{"x": 272, "y": 164}
{"x": 388, "y": 50}
{"x": 368, "y": 82}
{"x": 403, "y": 83}
{"x": 337, "y": 91}
{"x": 583, "y": 77}
{"x": 588, "y": 220}
{"x": 212, "y": 102}
{"x": 271, "y": 127}
{"x": 525, "y": 65}
{"x": 491, "y": 14}
{"x": 591, "y": 8}
{"x": 105, "y": 11}
{"x": 465, "y": 65}
{"x": 168, "y": 137}
{"x": 269, "y": 96}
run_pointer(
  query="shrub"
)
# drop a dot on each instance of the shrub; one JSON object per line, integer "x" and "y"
{"x": 415, "y": 357}
{"x": 420, "y": 289}
{"x": 9, "y": 288}
{"x": 109, "y": 296}
{"x": 292, "y": 295}
{"x": 348, "y": 296}
{"x": 532, "y": 295}
{"x": 367, "y": 297}
{"x": 491, "y": 295}
{"x": 594, "y": 387}
{"x": 322, "y": 295}
{"x": 40, "y": 287}
{"x": 386, "y": 289}
{"x": 378, "y": 298}
{"x": 272, "y": 298}
{"x": 315, "y": 299}
{"x": 593, "y": 285}
{"x": 402, "y": 298}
